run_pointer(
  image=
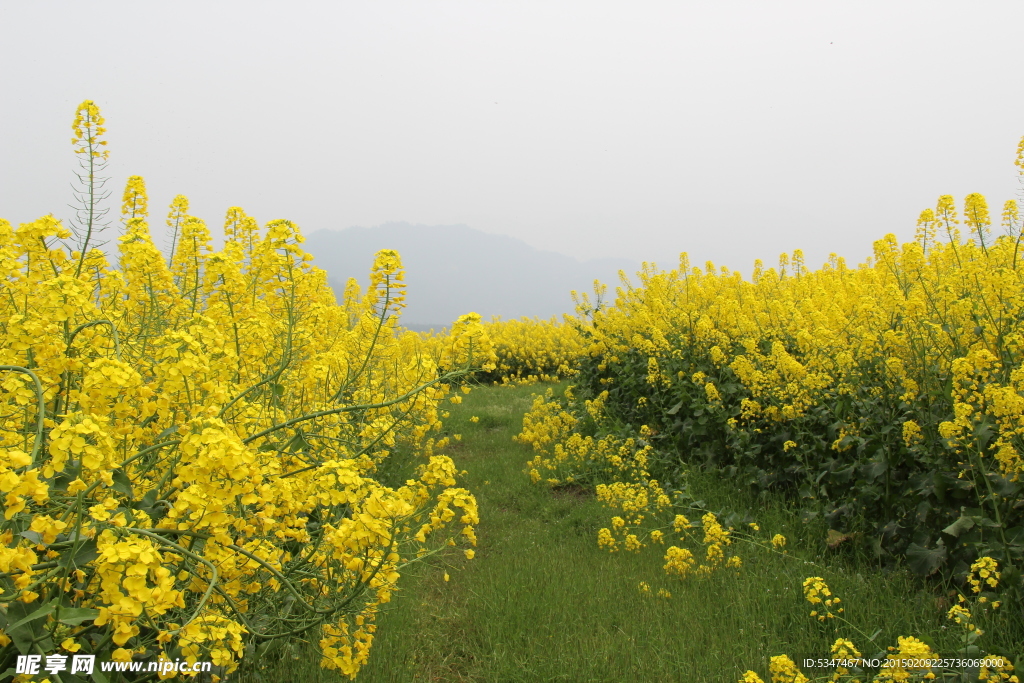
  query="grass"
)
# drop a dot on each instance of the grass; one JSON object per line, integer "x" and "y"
{"x": 541, "y": 601}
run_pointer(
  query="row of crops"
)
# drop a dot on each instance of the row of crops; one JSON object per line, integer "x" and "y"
{"x": 190, "y": 439}
{"x": 884, "y": 400}
{"x": 889, "y": 394}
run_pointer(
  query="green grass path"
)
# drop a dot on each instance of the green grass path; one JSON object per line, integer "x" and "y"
{"x": 541, "y": 601}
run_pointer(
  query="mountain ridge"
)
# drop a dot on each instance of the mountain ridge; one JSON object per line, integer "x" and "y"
{"x": 454, "y": 269}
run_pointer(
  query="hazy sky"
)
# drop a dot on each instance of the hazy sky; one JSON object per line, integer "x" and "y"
{"x": 731, "y": 130}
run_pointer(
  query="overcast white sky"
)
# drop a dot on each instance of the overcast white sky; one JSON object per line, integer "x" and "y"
{"x": 729, "y": 129}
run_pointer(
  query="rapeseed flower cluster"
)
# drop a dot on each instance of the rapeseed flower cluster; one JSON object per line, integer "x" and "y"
{"x": 189, "y": 441}
{"x": 911, "y": 659}
{"x": 886, "y": 398}
{"x": 532, "y": 350}
{"x": 983, "y": 574}
{"x": 817, "y": 592}
{"x": 619, "y": 469}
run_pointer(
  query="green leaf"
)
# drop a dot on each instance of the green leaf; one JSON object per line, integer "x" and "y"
{"x": 986, "y": 522}
{"x": 844, "y": 475}
{"x": 925, "y": 561}
{"x": 27, "y": 629}
{"x": 298, "y": 443}
{"x": 40, "y": 613}
{"x": 149, "y": 499}
{"x": 922, "y": 511}
{"x": 83, "y": 555}
{"x": 983, "y": 433}
{"x": 122, "y": 483}
{"x": 959, "y": 526}
{"x": 33, "y": 536}
{"x": 875, "y": 469}
{"x": 167, "y": 432}
{"x": 74, "y": 616}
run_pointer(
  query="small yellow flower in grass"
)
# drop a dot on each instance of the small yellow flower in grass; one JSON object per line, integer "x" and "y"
{"x": 446, "y": 577}
{"x": 455, "y": 399}
{"x": 788, "y": 446}
{"x": 713, "y": 531}
{"x": 606, "y": 540}
{"x": 657, "y": 536}
{"x": 679, "y": 561}
{"x": 983, "y": 571}
{"x": 750, "y": 677}
{"x": 470, "y": 554}
{"x": 466, "y": 389}
{"x": 644, "y": 587}
{"x": 958, "y": 613}
{"x": 910, "y": 651}
{"x": 783, "y": 670}
{"x": 779, "y": 541}
{"x": 817, "y": 592}
{"x": 474, "y": 419}
{"x": 754, "y": 526}
{"x": 662, "y": 593}
{"x": 843, "y": 649}
{"x": 1002, "y": 672}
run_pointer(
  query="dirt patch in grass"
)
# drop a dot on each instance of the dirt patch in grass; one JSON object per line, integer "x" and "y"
{"x": 572, "y": 491}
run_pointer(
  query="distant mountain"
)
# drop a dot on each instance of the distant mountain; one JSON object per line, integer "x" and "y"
{"x": 453, "y": 269}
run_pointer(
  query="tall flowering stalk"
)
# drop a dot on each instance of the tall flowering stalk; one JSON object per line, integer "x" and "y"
{"x": 188, "y": 450}
{"x": 89, "y": 192}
